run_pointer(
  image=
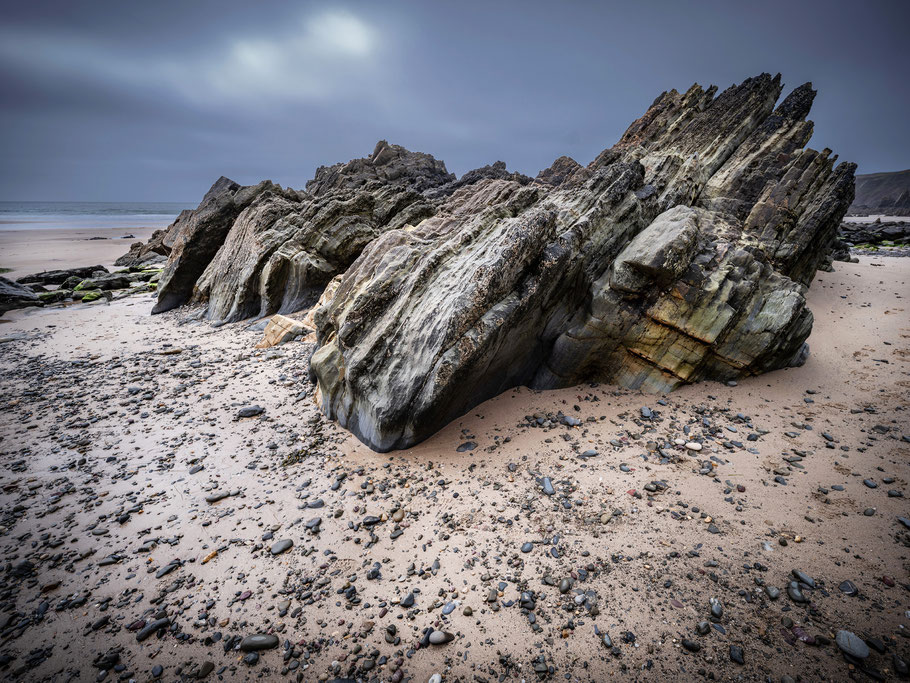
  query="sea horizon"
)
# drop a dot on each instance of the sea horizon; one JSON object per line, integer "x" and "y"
{"x": 62, "y": 215}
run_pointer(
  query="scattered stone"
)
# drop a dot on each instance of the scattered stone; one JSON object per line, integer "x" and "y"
{"x": 259, "y": 641}
{"x": 852, "y": 644}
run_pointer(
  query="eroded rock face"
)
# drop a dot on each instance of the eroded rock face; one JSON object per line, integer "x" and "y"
{"x": 248, "y": 251}
{"x": 281, "y": 252}
{"x": 682, "y": 253}
{"x": 197, "y": 236}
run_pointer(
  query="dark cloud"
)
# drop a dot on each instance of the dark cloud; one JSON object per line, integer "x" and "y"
{"x": 152, "y": 101}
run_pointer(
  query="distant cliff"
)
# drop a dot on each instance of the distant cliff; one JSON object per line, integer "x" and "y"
{"x": 883, "y": 193}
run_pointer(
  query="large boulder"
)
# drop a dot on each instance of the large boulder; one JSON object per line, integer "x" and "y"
{"x": 13, "y": 295}
{"x": 681, "y": 253}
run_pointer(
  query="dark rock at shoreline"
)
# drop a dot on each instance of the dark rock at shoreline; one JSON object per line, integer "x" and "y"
{"x": 58, "y": 277}
{"x": 897, "y": 232}
{"x": 890, "y": 234}
{"x": 13, "y": 295}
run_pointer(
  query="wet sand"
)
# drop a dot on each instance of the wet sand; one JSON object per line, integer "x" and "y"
{"x": 32, "y": 251}
{"x": 115, "y": 427}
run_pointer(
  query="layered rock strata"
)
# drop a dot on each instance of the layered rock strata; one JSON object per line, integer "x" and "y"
{"x": 681, "y": 253}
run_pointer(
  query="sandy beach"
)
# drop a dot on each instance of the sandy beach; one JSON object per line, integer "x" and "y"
{"x": 30, "y": 251}
{"x": 134, "y": 492}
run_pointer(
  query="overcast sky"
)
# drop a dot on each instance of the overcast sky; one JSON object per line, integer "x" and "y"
{"x": 152, "y": 101}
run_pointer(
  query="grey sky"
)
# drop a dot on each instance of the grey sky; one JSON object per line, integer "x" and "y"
{"x": 129, "y": 101}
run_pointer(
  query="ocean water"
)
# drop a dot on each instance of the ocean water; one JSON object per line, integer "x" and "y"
{"x": 87, "y": 215}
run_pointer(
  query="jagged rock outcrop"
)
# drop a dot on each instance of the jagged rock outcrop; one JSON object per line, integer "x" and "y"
{"x": 199, "y": 234}
{"x": 496, "y": 170}
{"x": 682, "y": 253}
{"x": 248, "y": 251}
{"x": 156, "y": 250}
{"x": 282, "y": 251}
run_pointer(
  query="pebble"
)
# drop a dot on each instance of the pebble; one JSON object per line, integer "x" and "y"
{"x": 796, "y": 595}
{"x": 152, "y": 628}
{"x": 259, "y": 641}
{"x": 803, "y": 578}
{"x": 281, "y": 546}
{"x": 848, "y": 588}
{"x": 852, "y": 644}
{"x": 441, "y": 637}
{"x": 250, "y": 411}
{"x": 717, "y": 609}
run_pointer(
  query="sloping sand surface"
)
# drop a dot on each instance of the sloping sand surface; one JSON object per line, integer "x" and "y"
{"x": 115, "y": 427}
{"x": 32, "y": 251}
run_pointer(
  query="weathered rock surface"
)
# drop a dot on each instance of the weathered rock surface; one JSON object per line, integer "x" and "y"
{"x": 281, "y": 329}
{"x": 198, "y": 235}
{"x": 281, "y": 252}
{"x": 262, "y": 250}
{"x": 682, "y": 253}
{"x": 13, "y": 295}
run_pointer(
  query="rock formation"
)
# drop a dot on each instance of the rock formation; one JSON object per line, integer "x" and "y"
{"x": 681, "y": 253}
{"x": 259, "y": 250}
{"x": 13, "y": 295}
